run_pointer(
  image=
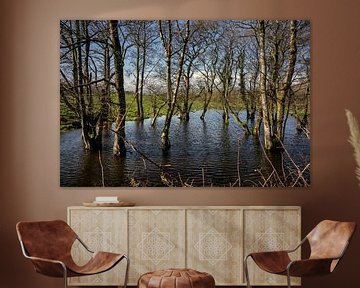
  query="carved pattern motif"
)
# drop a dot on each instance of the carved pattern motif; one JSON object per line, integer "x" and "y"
{"x": 269, "y": 241}
{"x": 156, "y": 246}
{"x": 213, "y": 246}
{"x": 99, "y": 240}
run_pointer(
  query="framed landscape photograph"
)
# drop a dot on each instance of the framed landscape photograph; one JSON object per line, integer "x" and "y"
{"x": 185, "y": 103}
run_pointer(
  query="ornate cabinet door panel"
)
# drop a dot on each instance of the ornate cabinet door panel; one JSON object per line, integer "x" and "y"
{"x": 214, "y": 244}
{"x": 270, "y": 229}
{"x": 101, "y": 230}
{"x": 156, "y": 240}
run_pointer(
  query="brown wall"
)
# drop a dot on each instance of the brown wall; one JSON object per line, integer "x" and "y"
{"x": 29, "y": 111}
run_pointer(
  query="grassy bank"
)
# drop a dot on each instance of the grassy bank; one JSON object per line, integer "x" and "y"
{"x": 69, "y": 120}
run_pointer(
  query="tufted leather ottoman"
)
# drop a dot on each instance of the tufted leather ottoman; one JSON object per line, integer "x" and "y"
{"x": 176, "y": 278}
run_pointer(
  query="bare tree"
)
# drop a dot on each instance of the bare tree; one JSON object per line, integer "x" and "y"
{"x": 268, "y": 134}
{"x": 167, "y": 35}
{"x": 207, "y": 66}
{"x": 76, "y": 87}
{"x": 119, "y": 148}
{"x": 227, "y": 69}
{"x": 196, "y": 47}
{"x": 142, "y": 35}
{"x": 252, "y": 94}
{"x": 285, "y": 87}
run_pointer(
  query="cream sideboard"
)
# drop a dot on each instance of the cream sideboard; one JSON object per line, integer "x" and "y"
{"x": 211, "y": 239}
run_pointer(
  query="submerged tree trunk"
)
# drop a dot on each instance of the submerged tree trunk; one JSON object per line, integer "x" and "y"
{"x": 172, "y": 95}
{"x": 165, "y": 141}
{"x": 119, "y": 148}
{"x": 80, "y": 89}
{"x": 252, "y": 95}
{"x": 210, "y": 76}
{"x": 225, "y": 115}
{"x": 209, "y": 82}
{"x": 94, "y": 134}
{"x": 225, "y": 75}
{"x": 104, "y": 97}
{"x": 263, "y": 97}
{"x": 208, "y": 96}
{"x": 81, "y": 85}
{"x": 257, "y": 126}
{"x": 226, "y": 96}
{"x": 186, "y": 107}
{"x": 243, "y": 95}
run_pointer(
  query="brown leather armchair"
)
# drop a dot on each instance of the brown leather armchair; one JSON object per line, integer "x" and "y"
{"x": 48, "y": 245}
{"x": 328, "y": 242}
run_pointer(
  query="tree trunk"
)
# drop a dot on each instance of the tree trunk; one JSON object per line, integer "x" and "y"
{"x": 86, "y": 67}
{"x": 119, "y": 148}
{"x": 137, "y": 83}
{"x": 243, "y": 95}
{"x": 283, "y": 92}
{"x": 80, "y": 89}
{"x": 165, "y": 141}
{"x": 274, "y": 61}
{"x": 263, "y": 97}
{"x": 257, "y": 126}
{"x": 208, "y": 96}
{"x": 185, "y": 111}
{"x": 253, "y": 97}
{"x": 142, "y": 76}
{"x": 106, "y": 94}
{"x": 225, "y": 115}
{"x": 225, "y": 77}
{"x": 172, "y": 96}
{"x": 142, "y": 80}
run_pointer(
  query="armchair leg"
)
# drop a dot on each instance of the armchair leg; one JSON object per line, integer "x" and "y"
{"x": 288, "y": 279}
{"x": 65, "y": 276}
{"x": 126, "y": 271}
{"x": 246, "y": 270}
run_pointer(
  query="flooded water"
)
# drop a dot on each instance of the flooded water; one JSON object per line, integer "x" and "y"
{"x": 203, "y": 153}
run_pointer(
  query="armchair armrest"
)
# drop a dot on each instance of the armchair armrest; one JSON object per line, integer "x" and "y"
{"x": 83, "y": 244}
{"x": 298, "y": 246}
